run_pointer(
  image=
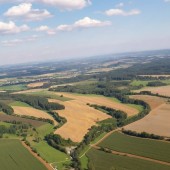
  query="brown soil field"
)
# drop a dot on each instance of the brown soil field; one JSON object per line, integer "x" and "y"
{"x": 29, "y": 111}
{"x": 80, "y": 117}
{"x": 38, "y": 84}
{"x": 158, "y": 120}
{"x": 162, "y": 90}
{"x": 34, "y": 123}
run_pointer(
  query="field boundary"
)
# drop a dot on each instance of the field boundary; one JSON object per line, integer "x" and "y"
{"x": 37, "y": 157}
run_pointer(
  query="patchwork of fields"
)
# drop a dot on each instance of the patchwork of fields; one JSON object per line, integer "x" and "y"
{"x": 148, "y": 148}
{"x": 81, "y": 117}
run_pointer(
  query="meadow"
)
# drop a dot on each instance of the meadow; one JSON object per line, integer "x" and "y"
{"x": 154, "y": 149}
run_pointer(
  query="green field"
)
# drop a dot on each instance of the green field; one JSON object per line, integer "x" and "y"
{"x": 46, "y": 151}
{"x": 144, "y": 147}
{"x": 13, "y": 156}
{"x": 100, "y": 160}
{"x": 49, "y": 94}
{"x": 14, "y": 87}
{"x": 18, "y": 103}
{"x": 5, "y": 124}
{"x": 145, "y": 82}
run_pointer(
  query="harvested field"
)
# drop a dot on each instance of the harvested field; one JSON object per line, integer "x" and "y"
{"x": 158, "y": 120}
{"x": 38, "y": 84}
{"x": 162, "y": 90}
{"x": 153, "y": 101}
{"x": 27, "y": 91}
{"x": 81, "y": 117}
{"x": 34, "y": 123}
{"x": 29, "y": 111}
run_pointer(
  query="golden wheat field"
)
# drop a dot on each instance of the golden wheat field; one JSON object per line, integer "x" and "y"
{"x": 158, "y": 120}
{"x": 80, "y": 117}
{"x": 29, "y": 111}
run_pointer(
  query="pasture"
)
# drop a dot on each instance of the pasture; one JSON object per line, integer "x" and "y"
{"x": 16, "y": 157}
{"x": 100, "y": 160}
{"x": 158, "y": 150}
{"x": 157, "y": 121}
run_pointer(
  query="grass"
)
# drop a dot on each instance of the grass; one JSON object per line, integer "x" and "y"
{"x": 61, "y": 165}
{"x": 145, "y": 82}
{"x": 138, "y": 107}
{"x": 49, "y": 94}
{"x": 154, "y": 149}
{"x": 14, "y": 87}
{"x": 46, "y": 151}
{"x": 18, "y": 103}
{"x": 84, "y": 162}
{"x": 49, "y": 153}
{"x": 100, "y": 160}
{"x": 5, "y": 124}
{"x": 14, "y": 156}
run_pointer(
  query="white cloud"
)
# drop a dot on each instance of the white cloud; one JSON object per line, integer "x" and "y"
{"x": 68, "y": 4}
{"x": 121, "y": 4}
{"x": 167, "y": 0}
{"x": 26, "y": 11}
{"x": 42, "y": 28}
{"x": 114, "y": 12}
{"x": 11, "y": 28}
{"x": 14, "y": 42}
{"x": 84, "y": 23}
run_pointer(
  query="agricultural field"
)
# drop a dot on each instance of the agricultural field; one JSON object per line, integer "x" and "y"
{"x": 15, "y": 156}
{"x": 158, "y": 150}
{"x": 44, "y": 93}
{"x": 81, "y": 117}
{"x": 157, "y": 121}
{"x": 13, "y": 88}
{"x": 100, "y": 160}
{"x": 34, "y": 85}
{"x": 145, "y": 82}
{"x": 29, "y": 111}
{"x": 35, "y": 123}
{"x": 162, "y": 90}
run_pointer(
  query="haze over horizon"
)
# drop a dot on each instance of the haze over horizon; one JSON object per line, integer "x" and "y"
{"x": 38, "y": 30}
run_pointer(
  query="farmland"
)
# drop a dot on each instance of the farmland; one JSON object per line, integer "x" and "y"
{"x": 162, "y": 90}
{"x": 100, "y": 160}
{"x": 158, "y": 117}
{"x": 29, "y": 111}
{"x": 11, "y": 153}
{"x": 34, "y": 123}
{"x": 33, "y": 85}
{"x": 81, "y": 117}
{"x": 137, "y": 146}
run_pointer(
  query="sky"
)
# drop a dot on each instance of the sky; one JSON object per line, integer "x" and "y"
{"x": 39, "y": 30}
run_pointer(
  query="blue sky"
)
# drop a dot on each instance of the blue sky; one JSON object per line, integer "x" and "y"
{"x": 35, "y": 30}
